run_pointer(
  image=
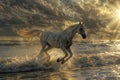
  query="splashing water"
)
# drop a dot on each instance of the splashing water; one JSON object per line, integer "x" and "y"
{"x": 21, "y": 58}
{"x": 18, "y": 58}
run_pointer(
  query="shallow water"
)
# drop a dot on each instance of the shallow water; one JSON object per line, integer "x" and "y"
{"x": 91, "y": 61}
{"x": 94, "y": 73}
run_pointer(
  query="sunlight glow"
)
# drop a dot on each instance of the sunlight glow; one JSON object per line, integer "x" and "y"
{"x": 118, "y": 13}
{"x": 114, "y": 17}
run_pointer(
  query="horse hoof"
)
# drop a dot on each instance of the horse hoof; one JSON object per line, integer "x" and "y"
{"x": 58, "y": 60}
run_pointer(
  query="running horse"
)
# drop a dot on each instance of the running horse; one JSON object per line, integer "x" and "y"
{"x": 62, "y": 40}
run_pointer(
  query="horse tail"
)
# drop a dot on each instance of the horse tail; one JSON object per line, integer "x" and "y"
{"x": 34, "y": 32}
{"x": 29, "y": 34}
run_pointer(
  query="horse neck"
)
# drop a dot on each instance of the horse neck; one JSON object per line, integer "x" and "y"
{"x": 71, "y": 32}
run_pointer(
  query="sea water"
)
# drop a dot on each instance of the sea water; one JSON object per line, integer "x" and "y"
{"x": 91, "y": 61}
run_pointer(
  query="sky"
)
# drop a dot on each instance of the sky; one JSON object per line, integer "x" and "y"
{"x": 101, "y": 17}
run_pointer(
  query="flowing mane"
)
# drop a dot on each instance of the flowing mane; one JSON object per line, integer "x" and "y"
{"x": 71, "y": 27}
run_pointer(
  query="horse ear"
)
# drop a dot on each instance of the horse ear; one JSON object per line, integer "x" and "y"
{"x": 80, "y": 22}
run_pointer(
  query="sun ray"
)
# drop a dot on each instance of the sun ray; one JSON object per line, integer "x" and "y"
{"x": 114, "y": 19}
{"x": 117, "y": 31}
{"x": 113, "y": 22}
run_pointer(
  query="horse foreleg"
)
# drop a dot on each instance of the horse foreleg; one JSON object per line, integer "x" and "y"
{"x": 71, "y": 54}
{"x": 62, "y": 59}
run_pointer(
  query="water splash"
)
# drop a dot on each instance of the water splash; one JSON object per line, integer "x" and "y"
{"x": 85, "y": 55}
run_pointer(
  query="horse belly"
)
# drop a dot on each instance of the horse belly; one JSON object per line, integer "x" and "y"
{"x": 54, "y": 44}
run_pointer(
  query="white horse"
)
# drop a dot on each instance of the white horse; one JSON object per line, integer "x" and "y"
{"x": 61, "y": 40}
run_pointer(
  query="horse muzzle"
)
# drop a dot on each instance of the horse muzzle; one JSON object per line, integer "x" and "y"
{"x": 84, "y": 36}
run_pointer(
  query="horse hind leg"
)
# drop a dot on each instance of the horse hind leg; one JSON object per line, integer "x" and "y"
{"x": 48, "y": 48}
{"x": 42, "y": 49}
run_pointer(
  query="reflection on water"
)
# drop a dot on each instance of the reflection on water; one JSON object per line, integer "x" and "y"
{"x": 96, "y": 73}
{"x": 40, "y": 75}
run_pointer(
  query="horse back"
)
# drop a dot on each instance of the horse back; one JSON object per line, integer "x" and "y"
{"x": 51, "y": 38}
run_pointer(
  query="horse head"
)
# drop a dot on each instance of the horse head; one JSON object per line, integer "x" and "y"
{"x": 81, "y": 30}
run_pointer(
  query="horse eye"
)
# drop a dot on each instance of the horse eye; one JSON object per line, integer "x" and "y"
{"x": 81, "y": 28}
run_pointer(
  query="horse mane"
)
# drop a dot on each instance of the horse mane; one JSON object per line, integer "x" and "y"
{"x": 71, "y": 27}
